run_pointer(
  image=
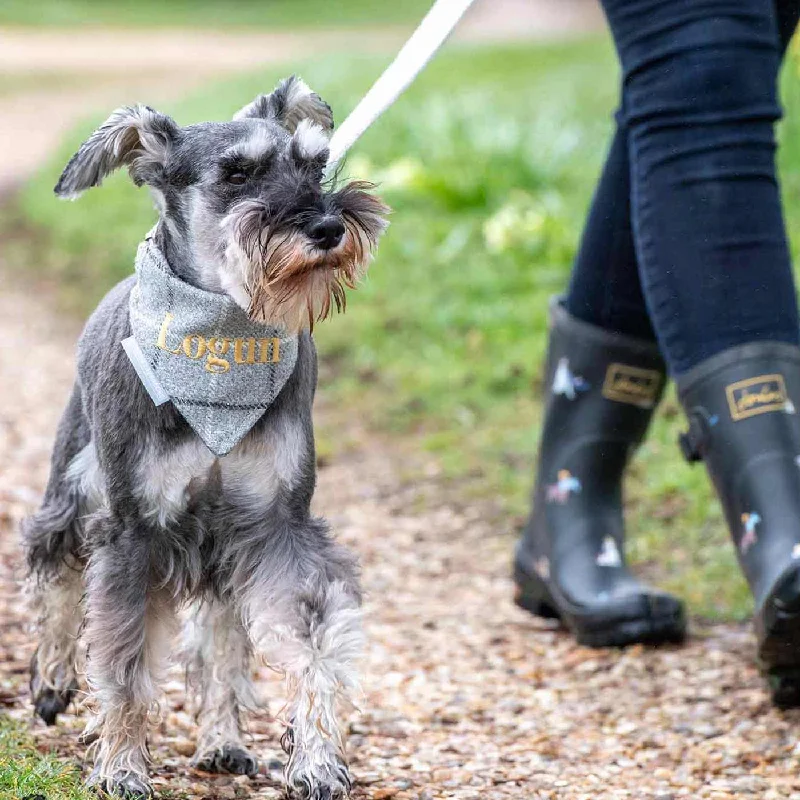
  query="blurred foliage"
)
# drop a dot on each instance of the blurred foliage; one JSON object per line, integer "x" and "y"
{"x": 253, "y": 14}
{"x": 489, "y": 162}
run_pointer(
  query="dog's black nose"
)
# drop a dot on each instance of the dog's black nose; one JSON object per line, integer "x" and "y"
{"x": 326, "y": 232}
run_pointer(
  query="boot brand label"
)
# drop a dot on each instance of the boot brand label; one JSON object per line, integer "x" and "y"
{"x": 757, "y": 396}
{"x": 245, "y": 351}
{"x": 632, "y": 385}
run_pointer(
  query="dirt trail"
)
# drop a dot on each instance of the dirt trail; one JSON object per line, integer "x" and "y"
{"x": 465, "y": 696}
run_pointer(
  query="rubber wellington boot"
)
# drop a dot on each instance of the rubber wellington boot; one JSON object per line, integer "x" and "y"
{"x": 743, "y": 424}
{"x": 569, "y": 564}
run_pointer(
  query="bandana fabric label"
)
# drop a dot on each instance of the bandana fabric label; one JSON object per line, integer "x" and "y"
{"x": 221, "y": 370}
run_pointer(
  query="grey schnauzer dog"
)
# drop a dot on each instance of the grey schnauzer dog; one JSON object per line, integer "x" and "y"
{"x": 141, "y": 517}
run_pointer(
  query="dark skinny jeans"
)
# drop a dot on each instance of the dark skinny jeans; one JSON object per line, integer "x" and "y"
{"x": 685, "y": 240}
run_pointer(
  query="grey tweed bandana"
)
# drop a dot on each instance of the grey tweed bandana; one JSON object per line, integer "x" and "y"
{"x": 219, "y": 369}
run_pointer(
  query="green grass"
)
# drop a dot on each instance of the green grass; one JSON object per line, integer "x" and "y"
{"x": 250, "y": 14}
{"x": 30, "y": 773}
{"x": 489, "y": 162}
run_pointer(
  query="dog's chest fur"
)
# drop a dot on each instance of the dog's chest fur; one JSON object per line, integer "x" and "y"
{"x": 167, "y": 478}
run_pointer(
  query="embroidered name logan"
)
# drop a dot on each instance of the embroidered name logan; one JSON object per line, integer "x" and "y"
{"x": 246, "y": 350}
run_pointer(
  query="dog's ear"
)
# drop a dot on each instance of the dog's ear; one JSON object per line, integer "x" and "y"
{"x": 290, "y": 104}
{"x": 134, "y": 136}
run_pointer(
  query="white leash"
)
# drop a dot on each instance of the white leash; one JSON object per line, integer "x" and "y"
{"x": 431, "y": 34}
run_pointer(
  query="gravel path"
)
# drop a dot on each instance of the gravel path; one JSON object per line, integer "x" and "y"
{"x": 464, "y": 695}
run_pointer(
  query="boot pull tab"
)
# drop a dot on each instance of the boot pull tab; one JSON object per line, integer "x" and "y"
{"x": 693, "y": 440}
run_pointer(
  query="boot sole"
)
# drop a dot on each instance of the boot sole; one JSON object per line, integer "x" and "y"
{"x": 779, "y": 659}
{"x": 650, "y": 619}
{"x": 778, "y": 632}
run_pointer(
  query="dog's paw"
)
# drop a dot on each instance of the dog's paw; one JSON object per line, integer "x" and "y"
{"x": 126, "y": 785}
{"x": 309, "y": 789}
{"x": 320, "y": 782}
{"x": 232, "y": 758}
{"x": 49, "y": 701}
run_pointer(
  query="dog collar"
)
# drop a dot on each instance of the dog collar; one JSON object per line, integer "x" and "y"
{"x": 220, "y": 369}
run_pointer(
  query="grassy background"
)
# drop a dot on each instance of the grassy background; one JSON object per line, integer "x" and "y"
{"x": 30, "y": 773}
{"x": 253, "y": 14}
{"x": 489, "y": 162}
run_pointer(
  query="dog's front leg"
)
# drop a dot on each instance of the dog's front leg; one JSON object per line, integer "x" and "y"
{"x": 306, "y": 622}
{"x": 129, "y": 630}
{"x": 219, "y": 666}
{"x": 319, "y": 649}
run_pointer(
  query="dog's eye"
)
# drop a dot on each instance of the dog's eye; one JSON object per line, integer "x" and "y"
{"x": 237, "y": 178}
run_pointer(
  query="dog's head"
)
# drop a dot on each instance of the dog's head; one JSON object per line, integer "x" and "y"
{"x": 244, "y": 204}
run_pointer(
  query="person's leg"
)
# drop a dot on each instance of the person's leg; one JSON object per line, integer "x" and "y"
{"x": 604, "y": 379}
{"x": 570, "y": 560}
{"x": 700, "y": 103}
{"x": 605, "y": 288}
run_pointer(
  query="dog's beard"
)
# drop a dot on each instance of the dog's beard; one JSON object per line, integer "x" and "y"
{"x": 288, "y": 281}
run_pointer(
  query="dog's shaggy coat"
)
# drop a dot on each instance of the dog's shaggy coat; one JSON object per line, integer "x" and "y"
{"x": 139, "y": 518}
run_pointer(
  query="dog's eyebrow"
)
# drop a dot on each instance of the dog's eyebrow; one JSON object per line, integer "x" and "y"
{"x": 311, "y": 140}
{"x": 259, "y": 146}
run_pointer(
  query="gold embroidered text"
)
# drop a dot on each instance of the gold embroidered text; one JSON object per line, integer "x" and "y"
{"x": 246, "y": 351}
